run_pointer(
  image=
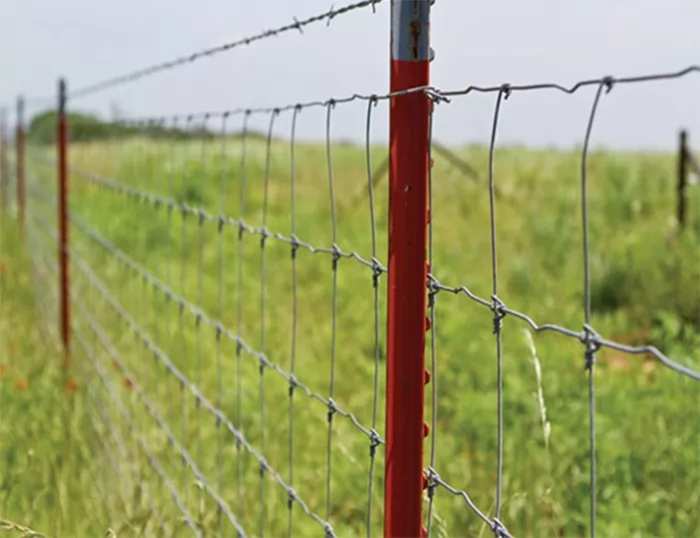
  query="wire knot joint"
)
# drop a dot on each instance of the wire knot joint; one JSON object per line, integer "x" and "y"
{"x": 608, "y": 82}
{"x": 337, "y": 254}
{"x": 293, "y": 384}
{"x": 291, "y": 497}
{"x": 592, "y": 341}
{"x": 374, "y": 441}
{"x": 377, "y": 270}
{"x": 433, "y": 290}
{"x": 332, "y": 409}
{"x": 499, "y": 529}
{"x": 433, "y": 481}
{"x": 499, "y": 313}
{"x": 295, "y": 246}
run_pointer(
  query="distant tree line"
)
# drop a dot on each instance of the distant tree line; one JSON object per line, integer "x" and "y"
{"x": 85, "y": 127}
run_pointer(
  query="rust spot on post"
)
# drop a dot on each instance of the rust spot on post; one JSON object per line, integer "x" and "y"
{"x": 415, "y": 31}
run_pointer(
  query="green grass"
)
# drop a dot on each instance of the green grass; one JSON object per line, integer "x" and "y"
{"x": 65, "y": 473}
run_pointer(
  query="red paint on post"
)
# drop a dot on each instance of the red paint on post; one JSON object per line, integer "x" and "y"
{"x": 62, "y": 149}
{"x": 408, "y": 202}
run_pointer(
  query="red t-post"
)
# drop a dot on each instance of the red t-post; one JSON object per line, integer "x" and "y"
{"x": 408, "y": 216}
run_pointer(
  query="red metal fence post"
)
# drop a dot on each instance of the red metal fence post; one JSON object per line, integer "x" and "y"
{"x": 408, "y": 218}
{"x": 19, "y": 142}
{"x": 62, "y": 149}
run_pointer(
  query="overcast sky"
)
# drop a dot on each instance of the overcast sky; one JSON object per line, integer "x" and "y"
{"x": 476, "y": 43}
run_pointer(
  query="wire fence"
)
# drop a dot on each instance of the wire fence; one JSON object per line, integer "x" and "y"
{"x": 229, "y": 319}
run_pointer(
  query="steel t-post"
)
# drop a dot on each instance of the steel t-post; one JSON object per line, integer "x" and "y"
{"x": 408, "y": 219}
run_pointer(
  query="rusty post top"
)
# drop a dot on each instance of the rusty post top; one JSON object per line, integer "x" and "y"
{"x": 61, "y": 96}
{"x": 410, "y": 30}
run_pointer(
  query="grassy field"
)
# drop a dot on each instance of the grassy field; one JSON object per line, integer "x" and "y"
{"x": 79, "y": 444}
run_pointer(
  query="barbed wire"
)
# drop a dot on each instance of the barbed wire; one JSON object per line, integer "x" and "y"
{"x": 133, "y": 76}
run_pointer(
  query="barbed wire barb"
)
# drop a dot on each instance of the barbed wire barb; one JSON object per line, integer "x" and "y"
{"x": 138, "y": 74}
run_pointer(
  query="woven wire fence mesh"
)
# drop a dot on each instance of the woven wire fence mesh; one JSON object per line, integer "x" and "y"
{"x": 228, "y": 284}
{"x": 203, "y": 306}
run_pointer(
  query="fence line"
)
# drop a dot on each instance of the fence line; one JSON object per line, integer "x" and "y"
{"x": 413, "y": 292}
{"x": 591, "y": 340}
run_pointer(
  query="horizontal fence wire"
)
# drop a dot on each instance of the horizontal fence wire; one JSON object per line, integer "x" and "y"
{"x": 587, "y": 336}
{"x": 438, "y": 95}
{"x": 119, "y": 293}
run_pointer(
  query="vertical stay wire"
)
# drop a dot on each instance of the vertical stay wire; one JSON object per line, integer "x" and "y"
{"x": 220, "y": 310}
{"x": 497, "y": 312}
{"x": 169, "y": 303}
{"x": 139, "y": 178}
{"x": 181, "y": 310}
{"x": 158, "y": 134}
{"x": 263, "y": 242}
{"x": 376, "y": 274}
{"x": 334, "y": 321}
{"x": 239, "y": 322}
{"x": 292, "y": 360}
{"x": 591, "y": 346}
{"x": 200, "y": 293}
{"x": 432, "y": 297}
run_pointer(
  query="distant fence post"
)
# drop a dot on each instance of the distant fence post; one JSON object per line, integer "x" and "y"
{"x": 4, "y": 178}
{"x": 408, "y": 218}
{"x": 682, "y": 187}
{"x": 62, "y": 150}
{"x": 19, "y": 143}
